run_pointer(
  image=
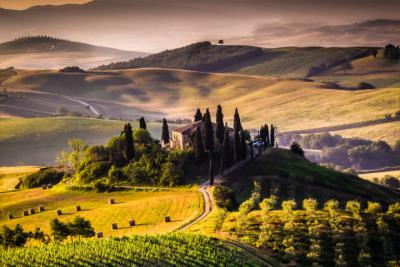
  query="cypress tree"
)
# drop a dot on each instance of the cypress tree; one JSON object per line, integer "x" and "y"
{"x": 165, "y": 132}
{"x": 198, "y": 145}
{"x": 263, "y": 136}
{"x": 226, "y": 151}
{"x": 243, "y": 145}
{"x": 272, "y": 139}
{"x": 209, "y": 143}
{"x": 198, "y": 116}
{"x": 237, "y": 142}
{"x": 129, "y": 146}
{"x": 142, "y": 123}
{"x": 267, "y": 139}
{"x": 219, "y": 131}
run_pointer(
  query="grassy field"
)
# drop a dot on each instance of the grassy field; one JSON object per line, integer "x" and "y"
{"x": 148, "y": 209}
{"x": 10, "y": 176}
{"x": 389, "y": 132}
{"x": 370, "y": 176}
{"x": 38, "y": 141}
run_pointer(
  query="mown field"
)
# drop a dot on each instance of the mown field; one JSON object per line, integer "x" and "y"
{"x": 10, "y": 176}
{"x": 147, "y": 207}
{"x": 38, "y": 141}
{"x": 370, "y": 176}
{"x": 160, "y": 250}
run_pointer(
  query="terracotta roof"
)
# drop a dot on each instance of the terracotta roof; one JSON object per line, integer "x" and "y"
{"x": 187, "y": 129}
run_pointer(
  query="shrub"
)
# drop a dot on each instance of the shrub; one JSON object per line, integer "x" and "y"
{"x": 365, "y": 85}
{"x": 43, "y": 176}
{"x": 94, "y": 171}
{"x": 170, "y": 174}
{"x": 224, "y": 197}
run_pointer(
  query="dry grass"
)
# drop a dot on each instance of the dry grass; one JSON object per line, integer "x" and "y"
{"x": 10, "y": 176}
{"x": 370, "y": 176}
{"x": 148, "y": 209}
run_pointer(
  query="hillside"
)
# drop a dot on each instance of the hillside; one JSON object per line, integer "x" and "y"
{"x": 285, "y": 62}
{"x": 297, "y": 178}
{"x": 48, "y": 52}
{"x": 177, "y": 93}
{"x": 38, "y": 141}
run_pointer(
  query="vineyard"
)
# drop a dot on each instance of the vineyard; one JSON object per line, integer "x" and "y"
{"x": 162, "y": 250}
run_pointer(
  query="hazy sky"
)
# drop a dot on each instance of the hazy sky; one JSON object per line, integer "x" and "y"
{"x": 155, "y": 25}
{"x": 23, "y": 4}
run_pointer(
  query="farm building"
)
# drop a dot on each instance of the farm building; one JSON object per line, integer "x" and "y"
{"x": 181, "y": 136}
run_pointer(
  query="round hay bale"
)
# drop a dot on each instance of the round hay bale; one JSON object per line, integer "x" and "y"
{"x": 41, "y": 208}
{"x": 10, "y": 216}
{"x": 49, "y": 186}
{"x": 167, "y": 219}
{"x": 100, "y": 235}
{"x": 111, "y": 201}
{"x": 25, "y": 213}
{"x": 114, "y": 226}
{"x": 44, "y": 187}
{"x": 31, "y": 211}
{"x": 78, "y": 208}
{"x": 132, "y": 223}
{"x": 58, "y": 212}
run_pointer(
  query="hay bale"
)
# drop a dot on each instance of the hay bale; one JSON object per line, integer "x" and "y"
{"x": 78, "y": 208}
{"x": 25, "y": 213}
{"x": 100, "y": 235}
{"x": 111, "y": 201}
{"x": 167, "y": 219}
{"x": 44, "y": 187}
{"x": 49, "y": 186}
{"x": 58, "y": 212}
{"x": 10, "y": 216}
{"x": 31, "y": 211}
{"x": 114, "y": 226}
{"x": 132, "y": 223}
{"x": 41, "y": 208}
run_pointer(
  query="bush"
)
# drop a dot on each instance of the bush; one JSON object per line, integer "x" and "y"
{"x": 43, "y": 176}
{"x": 170, "y": 174}
{"x": 224, "y": 197}
{"x": 365, "y": 85}
{"x": 94, "y": 171}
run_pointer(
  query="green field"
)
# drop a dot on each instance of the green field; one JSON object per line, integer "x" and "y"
{"x": 38, "y": 141}
{"x": 147, "y": 207}
{"x": 161, "y": 250}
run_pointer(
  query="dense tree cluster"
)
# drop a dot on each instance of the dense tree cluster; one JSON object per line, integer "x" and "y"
{"x": 79, "y": 227}
{"x": 392, "y": 52}
{"x": 354, "y": 153}
{"x": 17, "y": 237}
{"x": 131, "y": 158}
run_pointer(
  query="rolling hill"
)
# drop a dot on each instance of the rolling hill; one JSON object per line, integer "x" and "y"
{"x": 290, "y": 62}
{"x": 54, "y": 53}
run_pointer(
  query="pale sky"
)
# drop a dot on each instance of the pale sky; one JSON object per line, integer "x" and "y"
{"x": 24, "y": 4}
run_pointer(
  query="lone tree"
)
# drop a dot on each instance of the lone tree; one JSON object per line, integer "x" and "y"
{"x": 272, "y": 138}
{"x": 209, "y": 143}
{"x": 165, "y": 132}
{"x": 219, "y": 131}
{"x": 267, "y": 137}
{"x": 129, "y": 146}
{"x": 237, "y": 148}
{"x": 221, "y": 42}
{"x": 60, "y": 230}
{"x": 198, "y": 145}
{"x": 81, "y": 228}
{"x": 198, "y": 116}
{"x": 142, "y": 123}
{"x": 226, "y": 151}
{"x": 296, "y": 148}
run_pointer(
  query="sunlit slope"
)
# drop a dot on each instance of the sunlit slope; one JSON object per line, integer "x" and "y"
{"x": 38, "y": 141}
{"x": 148, "y": 209}
{"x": 10, "y": 176}
{"x": 291, "y": 104}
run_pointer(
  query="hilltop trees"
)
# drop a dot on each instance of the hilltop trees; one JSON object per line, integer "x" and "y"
{"x": 142, "y": 123}
{"x": 129, "y": 147}
{"x": 219, "y": 131}
{"x": 226, "y": 151}
{"x": 272, "y": 137}
{"x": 209, "y": 142}
{"x": 392, "y": 52}
{"x": 198, "y": 116}
{"x": 165, "y": 132}
{"x": 296, "y": 148}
